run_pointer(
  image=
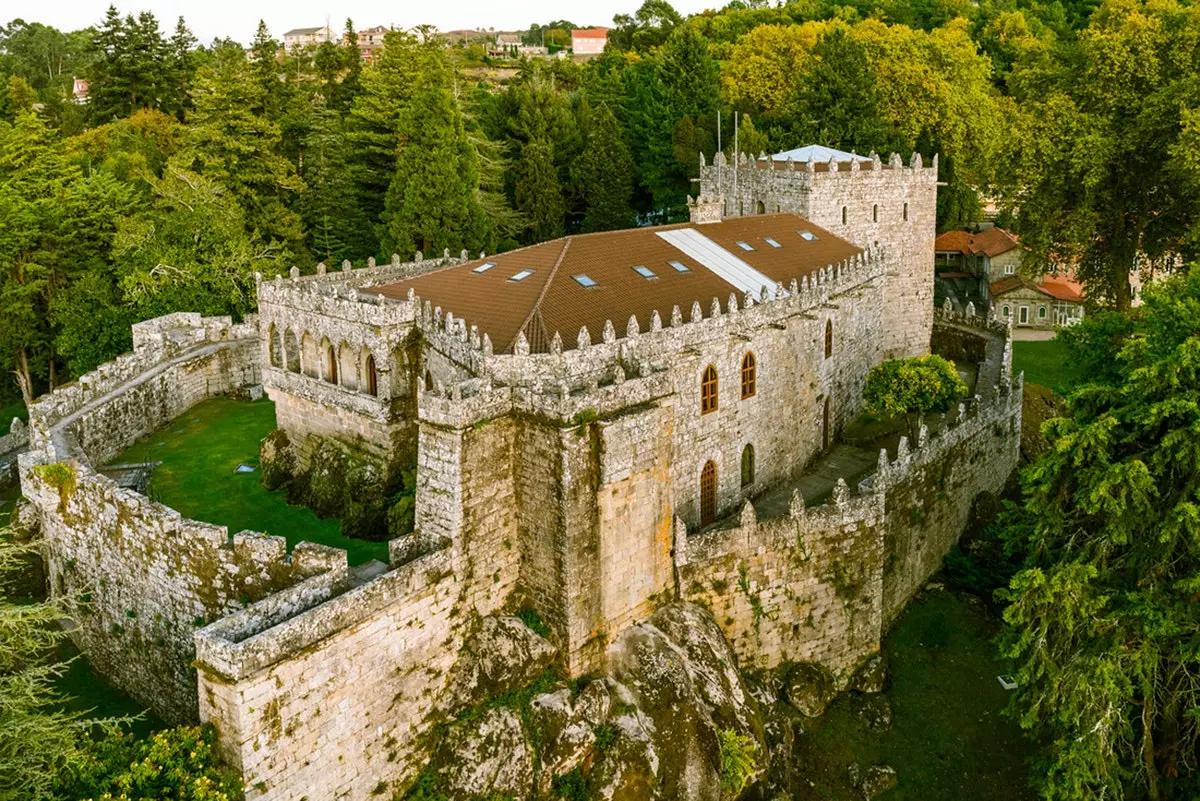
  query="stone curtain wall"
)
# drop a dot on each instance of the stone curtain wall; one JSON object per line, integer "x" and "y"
{"x": 930, "y": 491}
{"x": 177, "y": 361}
{"x": 969, "y": 338}
{"x": 136, "y": 578}
{"x": 326, "y": 691}
{"x": 869, "y": 203}
{"x": 805, "y": 587}
{"x": 821, "y": 584}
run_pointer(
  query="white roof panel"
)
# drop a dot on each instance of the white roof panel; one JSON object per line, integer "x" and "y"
{"x": 719, "y": 261}
{"x": 819, "y": 153}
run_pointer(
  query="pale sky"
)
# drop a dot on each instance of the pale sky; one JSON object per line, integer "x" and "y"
{"x": 238, "y": 18}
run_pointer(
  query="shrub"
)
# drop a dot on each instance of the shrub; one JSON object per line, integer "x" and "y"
{"x": 738, "y": 761}
{"x": 913, "y": 387}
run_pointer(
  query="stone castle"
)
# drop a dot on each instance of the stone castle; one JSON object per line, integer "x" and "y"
{"x": 600, "y": 424}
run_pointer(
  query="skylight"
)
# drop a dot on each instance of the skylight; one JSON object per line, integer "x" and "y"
{"x": 584, "y": 280}
{"x": 772, "y": 242}
{"x": 745, "y": 246}
{"x": 679, "y": 266}
{"x": 645, "y": 272}
{"x": 807, "y": 236}
{"x": 521, "y": 276}
{"x": 483, "y": 268}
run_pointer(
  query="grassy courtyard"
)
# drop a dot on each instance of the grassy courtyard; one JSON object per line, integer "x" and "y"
{"x": 200, "y": 452}
{"x": 949, "y": 740}
{"x": 1045, "y": 363}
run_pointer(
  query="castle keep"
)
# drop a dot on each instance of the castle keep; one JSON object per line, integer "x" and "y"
{"x": 599, "y": 424}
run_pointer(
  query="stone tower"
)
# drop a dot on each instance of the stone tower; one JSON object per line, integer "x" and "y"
{"x": 861, "y": 198}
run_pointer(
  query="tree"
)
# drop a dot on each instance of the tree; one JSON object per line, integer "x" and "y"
{"x": 432, "y": 201}
{"x": 128, "y": 70}
{"x": 538, "y": 194}
{"x": 605, "y": 175}
{"x": 229, "y": 143}
{"x": 180, "y": 69}
{"x": 329, "y": 204}
{"x": 649, "y": 26}
{"x": 913, "y": 387}
{"x": 192, "y": 250}
{"x": 37, "y": 744}
{"x": 837, "y": 100}
{"x": 1105, "y": 173}
{"x": 1102, "y": 620}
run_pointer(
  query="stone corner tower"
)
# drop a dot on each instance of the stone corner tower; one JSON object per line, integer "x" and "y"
{"x": 861, "y": 198}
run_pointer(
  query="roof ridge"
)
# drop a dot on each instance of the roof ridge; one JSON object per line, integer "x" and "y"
{"x": 537, "y": 303}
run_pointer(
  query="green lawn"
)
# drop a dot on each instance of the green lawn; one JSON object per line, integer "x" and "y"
{"x": 8, "y": 499}
{"x": 200, "y": 451}
{"x": 88, "y": 693}
{"x": 948, "y": 740}
{"x": 1045, "y": 363}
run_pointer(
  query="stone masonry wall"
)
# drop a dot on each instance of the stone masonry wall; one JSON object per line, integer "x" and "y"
{"x": 822, "y": 584}
{"x": 869, "y": 203}
{"x": 135, "y": 577}
{"x": 331, "y": 699}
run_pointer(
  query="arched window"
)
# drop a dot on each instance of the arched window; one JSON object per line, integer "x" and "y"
{"x": 749, "y": 376}
{"x": 828, "y": 338}
{"x": 708, "y": 493}
{"x": 760, "y": 208}
{"x": 1007, "y": 311}
{"x": 291, "y": 351}
{"x": 708, "y": 390}
{"x": 747, "y": 466}
{"x": 372, "y": 385}
{"x": 906, "y": 212}
{"x": 844, "y": 216}
{"x": 331, "y": 358}
{"x": 275, "y": 346}
{"x": 875, "y": 213}
{"x": 428, "y": 381}
{"x": 1041, "y": 312}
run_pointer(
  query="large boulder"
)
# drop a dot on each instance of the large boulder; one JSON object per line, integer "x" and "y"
{"x": 809, "y": 687}
{"x": 276, "y": 459}
{"x": 680, "y": 675}
{"x": 568, "y": 730}
{"x": 490, "y": 758}
{"x": 872, "y": 675}
{"x": 500, "y": 654}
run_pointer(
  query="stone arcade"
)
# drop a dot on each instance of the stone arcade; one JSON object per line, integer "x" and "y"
{"x": 600, "y": 424}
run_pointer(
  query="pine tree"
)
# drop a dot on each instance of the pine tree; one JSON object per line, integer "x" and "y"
{"x": 264, "y": 64}
{"x": 128, "y": 73}
{"x": 180, "y": 69}
{"x": 606, "y": 175}
{"x": 432, "y": 202}
{"x": 538, "y": 194}
{"x": 378, "y": 114}
{"x": 329, "y": 206}
{"x": 240, "y": 149}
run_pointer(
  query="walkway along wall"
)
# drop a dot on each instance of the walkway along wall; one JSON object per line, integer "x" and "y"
{"x": 136, "y": 578}
{"x": 822, "y": 584}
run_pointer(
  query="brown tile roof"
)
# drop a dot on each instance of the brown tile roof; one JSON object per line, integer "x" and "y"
{"x": 991, "y": 242}
{"x": 589, "y": 33}
{"x": 550, "y": 299}
{"x": 1060, "y": 287}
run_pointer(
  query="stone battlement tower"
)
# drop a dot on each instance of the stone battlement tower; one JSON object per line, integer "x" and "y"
{"x": 860, "y": 198}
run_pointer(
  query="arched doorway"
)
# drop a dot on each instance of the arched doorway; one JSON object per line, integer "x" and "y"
{"x": 760, "y": 208}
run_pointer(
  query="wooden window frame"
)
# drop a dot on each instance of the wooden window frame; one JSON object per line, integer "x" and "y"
{"x": 828, "y": 338}
{"x": 749, "y": 375}
{"x": 709, "y": 388}
{"x": 372, "y": 376}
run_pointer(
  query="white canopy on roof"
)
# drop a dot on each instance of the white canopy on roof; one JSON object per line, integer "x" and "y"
{"x": 818, "y": 153}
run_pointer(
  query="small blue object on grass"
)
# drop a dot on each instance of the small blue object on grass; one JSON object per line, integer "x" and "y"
{"x": 244, "y": 468}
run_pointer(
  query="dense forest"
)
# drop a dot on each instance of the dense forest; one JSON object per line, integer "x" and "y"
{"x": 191, "y": 167}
